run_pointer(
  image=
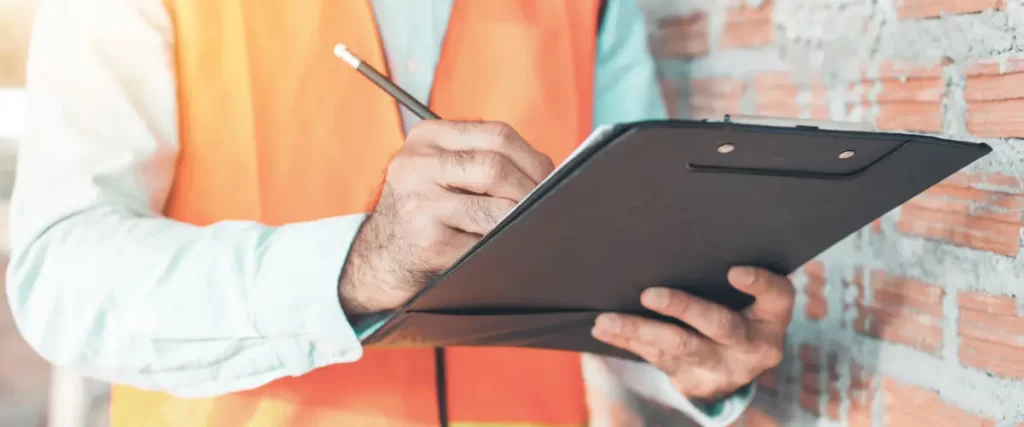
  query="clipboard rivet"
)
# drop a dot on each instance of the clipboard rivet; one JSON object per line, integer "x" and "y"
{"x": 847, "y": 154}
{"x": 726, "y": 148}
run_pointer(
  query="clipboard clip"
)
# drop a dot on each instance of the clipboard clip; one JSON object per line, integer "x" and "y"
{"x": 805, "y": 123}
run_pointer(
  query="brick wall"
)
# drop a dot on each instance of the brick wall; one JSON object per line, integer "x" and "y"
{"x": 918, "y": 319}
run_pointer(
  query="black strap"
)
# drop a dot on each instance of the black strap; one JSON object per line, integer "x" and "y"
{"x": 442, "y": 386}
{"x": 600, "y": 15}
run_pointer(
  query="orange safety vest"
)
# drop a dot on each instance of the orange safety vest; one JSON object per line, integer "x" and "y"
{"x": 274, "y": 128}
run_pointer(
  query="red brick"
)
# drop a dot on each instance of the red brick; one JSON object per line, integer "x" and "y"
{"x": 809, "y": 355}
{"x": 991, "y": 334}
{"x": 902, "y": 70}
{"x": 994, "y": 94}
{"x": 900, "y": 310}
{"x": 966, "y": 216}
{"x": 776, "y": 93}
{"x": 670, "y": 95}
{"x": 834, "y": 396}
{"x": 902, "y": 293}
{"x": 817, "y": 305}
{"x": 997, "y": 87}
{"x": 909, "y": 116}
{"x": 929, "y": 89}
{"x": 747, "y": 26}
{"x": 996, "y": 119}
{"x": 715, "y": 97}
{"x": 1002, "y": 329}
{"x": 681, "y": 36}
{"x": 918, "y": 332}
{"x": 907, "y": 405}
{"x": 986, "y": 181}
{"x": 994, "y": 66}
{"x": 809, "y": 401}
{"x": 909, "y": 99}
{"x": 1005, "y": 305}
{"x": 810, "y": 378}
{"x": 911, "y": 9}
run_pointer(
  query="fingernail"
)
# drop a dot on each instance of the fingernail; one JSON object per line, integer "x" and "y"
{"x": 742, "y": 276}
{"x": 656, "y": 298}
{"x": 609, "y": 322}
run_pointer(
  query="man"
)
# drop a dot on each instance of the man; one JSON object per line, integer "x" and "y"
{"x": 190, "y": 215}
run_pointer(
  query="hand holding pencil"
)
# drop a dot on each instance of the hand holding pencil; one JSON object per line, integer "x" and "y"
{"x": 449, "y": 185}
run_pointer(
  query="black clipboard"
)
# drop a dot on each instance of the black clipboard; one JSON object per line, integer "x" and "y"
{"x": 666, "y": 203}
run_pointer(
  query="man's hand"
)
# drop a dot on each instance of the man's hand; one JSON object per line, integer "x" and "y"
{"x": 729, "y": 350}
{"x": 448, "y": 186}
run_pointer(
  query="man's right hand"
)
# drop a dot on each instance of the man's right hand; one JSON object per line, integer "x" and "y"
{"x": 449, "y": 185}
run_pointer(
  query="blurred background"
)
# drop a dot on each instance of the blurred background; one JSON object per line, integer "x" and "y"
{"x": 917, "y": 320}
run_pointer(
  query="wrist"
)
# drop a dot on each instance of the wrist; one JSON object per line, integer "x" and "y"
{"x": 352, "y": 299}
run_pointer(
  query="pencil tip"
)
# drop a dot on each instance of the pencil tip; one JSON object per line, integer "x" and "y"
{"x": 341, "y": 51}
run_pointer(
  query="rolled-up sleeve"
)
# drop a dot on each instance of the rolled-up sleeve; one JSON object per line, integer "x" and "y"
{"x": 99, "y": 281}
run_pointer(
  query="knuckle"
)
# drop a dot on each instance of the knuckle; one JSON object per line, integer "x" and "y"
{"x": 482, "y": 213}
{"x": 724, "y": 324}
{"x": 501, "y": 131}
{"x": 493, "y": 166}
{"x": 684, "y": 345}
{"x": 707, "y": 386}
{"x": 461, "y": 159}
{"x": 548, "y": 163}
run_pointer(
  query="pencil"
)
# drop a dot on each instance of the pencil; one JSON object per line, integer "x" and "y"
{"x": 403, "y": 97}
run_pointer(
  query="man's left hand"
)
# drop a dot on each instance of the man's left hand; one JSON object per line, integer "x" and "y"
{"x": 728, "y": 350}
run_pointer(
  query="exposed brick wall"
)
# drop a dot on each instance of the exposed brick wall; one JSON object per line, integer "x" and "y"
{"x": 917, "y": 320}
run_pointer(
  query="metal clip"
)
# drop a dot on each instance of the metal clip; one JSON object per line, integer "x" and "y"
{"x": 790, "y": 122}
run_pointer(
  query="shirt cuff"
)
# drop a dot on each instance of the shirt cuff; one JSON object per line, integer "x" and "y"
{"x": 727, "y": 410}
{"x": 295, "y": 302}
{"x": 653, "y": 384}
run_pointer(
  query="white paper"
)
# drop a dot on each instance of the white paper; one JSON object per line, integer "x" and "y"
{"x": 597, "y": 135}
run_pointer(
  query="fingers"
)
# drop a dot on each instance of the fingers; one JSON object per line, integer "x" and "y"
{"x": 472, "y": 214}
{"x": 487, "y": 136}
{"x": 774, "y": 294}
{"x": 714, "y": 321}
{"x": 664, "y": 345}
{"x": 481, "y": 172}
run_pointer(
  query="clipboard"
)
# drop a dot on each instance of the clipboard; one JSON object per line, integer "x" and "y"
{"x": 671, "y": 203}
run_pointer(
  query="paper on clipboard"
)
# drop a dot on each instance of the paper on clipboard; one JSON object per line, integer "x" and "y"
{"x": 598, "y": 134}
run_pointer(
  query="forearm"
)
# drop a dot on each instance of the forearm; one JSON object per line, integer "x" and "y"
{"x": 194, "y": 311}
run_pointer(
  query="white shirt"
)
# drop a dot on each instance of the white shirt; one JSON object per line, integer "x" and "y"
{"x": 102, "y": 283}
